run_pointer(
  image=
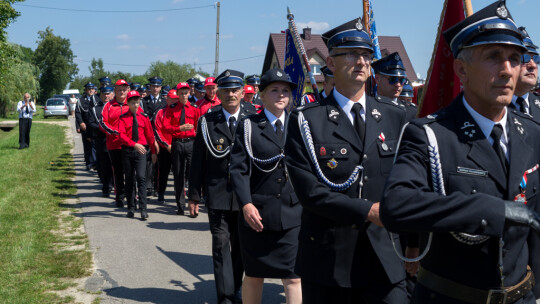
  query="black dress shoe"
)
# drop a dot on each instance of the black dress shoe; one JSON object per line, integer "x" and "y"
{"x": 144, "y": 214}
{"x": 180, "y": 211}
{"x": 161, "y": 198}
{"x": 106, "y": 194}
{"x": 130, "y": 213}
{"x": 119, "y": 204}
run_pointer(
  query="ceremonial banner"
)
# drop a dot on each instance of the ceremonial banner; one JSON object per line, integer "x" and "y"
{"x": 442, "y": 84}
{"x": 376, "y": 48}
{"x": 293, "y": 67}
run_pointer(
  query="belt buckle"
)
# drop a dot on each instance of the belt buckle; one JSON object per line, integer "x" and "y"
{"x": 503, "y": 292}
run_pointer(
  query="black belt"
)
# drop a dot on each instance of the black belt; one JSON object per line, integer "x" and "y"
{"x": 132, "y": 148}
{"x": 472, "y": 295}
{"x": 183, "y": 140}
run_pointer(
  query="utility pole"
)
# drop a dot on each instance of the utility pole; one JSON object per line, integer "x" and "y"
{"x": 216, "y": 68}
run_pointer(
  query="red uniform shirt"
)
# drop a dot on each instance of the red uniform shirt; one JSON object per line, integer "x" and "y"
{"x": 111, "y": 116}
{"x": 171, "y": 120}
{"x": 164, "y": 139}
{"x": 146, "y": 133}
{"x": 204, "y": 104}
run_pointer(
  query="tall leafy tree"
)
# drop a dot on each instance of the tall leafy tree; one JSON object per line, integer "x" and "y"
{"x": 171, "y": 72}
{"x": 54, "y": 58}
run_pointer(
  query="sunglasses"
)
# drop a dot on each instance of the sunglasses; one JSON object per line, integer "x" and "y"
{"x": 395, "y": 79}
{"x": 526, "y": 58}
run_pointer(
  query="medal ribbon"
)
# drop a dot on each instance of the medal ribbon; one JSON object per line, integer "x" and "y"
{"x": 523, "y": 183}
{"x": 381, "y": 137}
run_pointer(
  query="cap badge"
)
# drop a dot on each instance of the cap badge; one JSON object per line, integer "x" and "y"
{"x": 227, "y": 73}
{"x": 359, "y": 26}
{"x": 524, "y": 32}
{"x": 278, "y": 73}
{"x": 332, "y": 164}
{"x": 333, "y": 114}
{"x": 322, "y": 151}
{"x": 397, "y": 57}
{"x": 502, "y": 12}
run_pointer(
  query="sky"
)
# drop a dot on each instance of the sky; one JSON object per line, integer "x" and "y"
{"x": 184, "y": 31}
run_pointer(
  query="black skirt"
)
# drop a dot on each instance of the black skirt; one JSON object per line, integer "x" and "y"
{"x": 268, "y": 254}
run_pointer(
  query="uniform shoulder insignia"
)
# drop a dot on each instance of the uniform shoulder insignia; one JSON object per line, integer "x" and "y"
{"x": 308, "y": 106}
{"x": 386, "y": 100}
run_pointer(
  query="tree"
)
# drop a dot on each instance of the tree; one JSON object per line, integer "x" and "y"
{"x": 96, "y": 68}
{"x": 171, "y": 72}
{"x": 54, "y": 58}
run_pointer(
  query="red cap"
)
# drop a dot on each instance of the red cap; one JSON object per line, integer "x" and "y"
{"x": 172, "y": 94}
{"x": 131, "y": 94}
{"x": 121, "y": 82}
{"x": 249, "y": 89}
{"x": 209, "y": 81}
{"x": 182, "y": 85}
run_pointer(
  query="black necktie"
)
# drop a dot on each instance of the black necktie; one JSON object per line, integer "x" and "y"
{"x": 232, "y": 125}
{"x": 27, "y": 110}
{"x": 496, "y": 134}
{"x": 279, "y": 132}
{"x": 135, "y": 130}
{"x": 183, "y": 115}
{"x": 359, "y": 123}
{"x": 521, "y": 102}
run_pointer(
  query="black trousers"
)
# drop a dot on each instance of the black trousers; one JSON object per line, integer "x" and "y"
{"x": 163, "y": 169}
{"x": 181, "y": 161}
{"x": 228, "y": 268}
{"x": 89, "y": 150}
{"x": 370, "y": 294}
{"x": 25, "y": 124}
{"x": 118, "y": 173}
{"x": 103, "y": 163}
{"x": 134, "y": 165}
{"x": 151, "y": 172}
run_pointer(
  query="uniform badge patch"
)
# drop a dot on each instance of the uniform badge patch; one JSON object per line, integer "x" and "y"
{"x": 333, "y": 114}
{"x": 376, "y": 114}
{"x": 343, "y": 151}
{"x": 322, "y": 151}
{"x": 221, "y": 140}
{"x": 219, "y": 147}
{"x": 332, "y": 164}
{"x": 467, "y": 125}
{"x": 537, "y": 103}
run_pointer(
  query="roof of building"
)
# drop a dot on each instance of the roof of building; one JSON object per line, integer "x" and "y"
{"x": 314, "y": 44}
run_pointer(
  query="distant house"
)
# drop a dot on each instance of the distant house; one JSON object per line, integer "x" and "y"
{"x": 317, "y": 52}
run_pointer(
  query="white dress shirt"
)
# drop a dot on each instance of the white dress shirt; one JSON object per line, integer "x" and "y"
{"x": 272, "y": 118}
{"x": 346, "y": 104}
{"x": 21, "y": 108}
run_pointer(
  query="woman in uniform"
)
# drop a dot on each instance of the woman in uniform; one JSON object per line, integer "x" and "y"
{"x": 270, "y": 218}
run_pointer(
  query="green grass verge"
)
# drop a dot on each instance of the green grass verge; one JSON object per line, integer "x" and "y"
{"x": 35, "y": 181}
{"x": 37, "y": 116}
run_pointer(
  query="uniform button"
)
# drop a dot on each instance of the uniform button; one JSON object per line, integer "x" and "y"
{"x": 365, "y": 178}
{"x": 473, "y": 191}
{"x": 278, "y": 195}
{"x": 365, "y": 156}
{"x": 312, "y": 238}
{"x": 279, "y": 180}
{"x": 280, "y": 166}
{"x": 483, "y": 223}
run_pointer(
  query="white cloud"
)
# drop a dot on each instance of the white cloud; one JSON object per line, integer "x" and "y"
{"x": 316, "y": 27}
{"x": 122, "y": 37}
{"x": 124, "y": 47}
{"x": 160, "y": 18}
{"x": 141, "y": 46}
{"x": 258, "y": 48}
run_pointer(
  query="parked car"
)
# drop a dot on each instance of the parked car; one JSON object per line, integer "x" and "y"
{"x": 67, "y": 97}
{"x": 56, "y": 107}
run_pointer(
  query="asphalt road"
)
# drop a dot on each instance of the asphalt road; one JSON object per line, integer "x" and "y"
{"x": 166, "y": 259}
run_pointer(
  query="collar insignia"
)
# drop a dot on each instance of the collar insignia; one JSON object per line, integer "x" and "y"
{"x": 376, "y": 114}
{"x": 333, "y": 114}
{"x": 467, "y": 125}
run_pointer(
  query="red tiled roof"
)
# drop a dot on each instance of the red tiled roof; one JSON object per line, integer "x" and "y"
{"x": 388, "y": 45}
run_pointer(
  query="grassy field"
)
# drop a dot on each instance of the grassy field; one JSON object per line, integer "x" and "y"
{"x": 37, "y": 248}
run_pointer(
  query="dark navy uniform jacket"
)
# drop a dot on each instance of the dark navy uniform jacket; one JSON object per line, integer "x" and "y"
{"x": 150, "y": 108}
{"x": 211, "y": 178}
{"x": 83, "y": 111}
{"x": 271, "y": 192}
{"x": 334, "y": 241}
{"x": 475, "y": 189}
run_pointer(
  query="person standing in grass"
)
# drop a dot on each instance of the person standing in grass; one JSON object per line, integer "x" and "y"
{"x": 137, "y": 137}
{"x": 26, "y": 109}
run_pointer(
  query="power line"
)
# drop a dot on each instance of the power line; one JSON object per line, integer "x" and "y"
{"x": 117, "y": 11}
{"x": 145, "y": 65}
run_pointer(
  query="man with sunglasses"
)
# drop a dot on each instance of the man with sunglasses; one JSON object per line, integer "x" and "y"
{"x": 391, "y": 77}
{"x": 524, "y": 100}
{"x": 339, "y": 152}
